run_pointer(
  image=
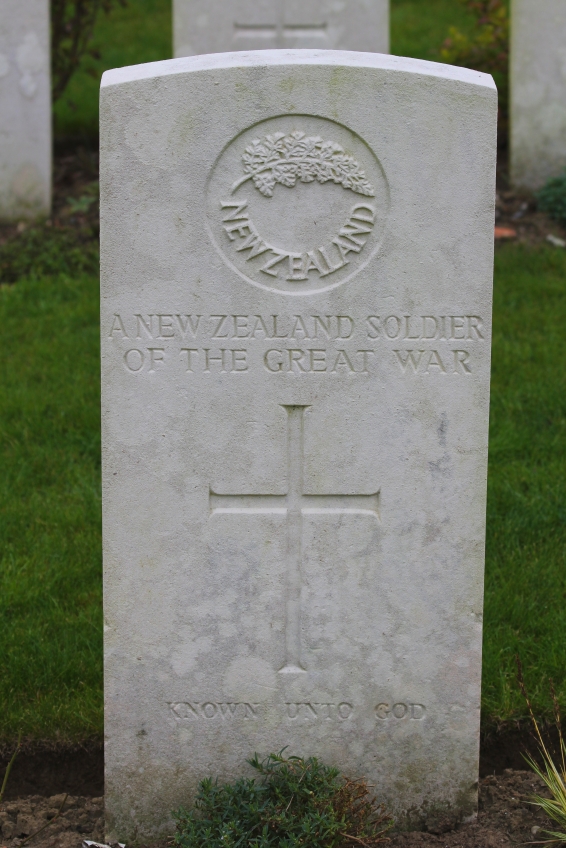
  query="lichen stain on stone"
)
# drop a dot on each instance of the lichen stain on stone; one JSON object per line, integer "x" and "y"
{"x": 433, "y": 531}
{"x": 340, "y": 82}
{"x": 460, "y": 803}
{"x": 182, "y": 131}
{"x": 243, "y": 89}
{"x": 288, "y": 84}
{"x": 189, "y": 652}
{"x": 439, "y": 817}
{"x": 147, "y": 562}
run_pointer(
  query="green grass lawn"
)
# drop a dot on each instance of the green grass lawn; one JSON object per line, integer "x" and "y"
{"x": 525, "y": 602}
{"x": 50, "y": 541}
{"x": 419, "y": 27}
{"x": 50, "y": 559}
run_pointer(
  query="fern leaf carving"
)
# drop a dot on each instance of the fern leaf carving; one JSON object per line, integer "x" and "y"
{"x": 288, "y": 159}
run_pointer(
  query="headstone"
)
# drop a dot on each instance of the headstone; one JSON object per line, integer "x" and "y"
{"x": 204, "y": 26}
{"x": 538, "y": 91}
{"x": 25, "y": 109}
{"x": 297, "y": 253}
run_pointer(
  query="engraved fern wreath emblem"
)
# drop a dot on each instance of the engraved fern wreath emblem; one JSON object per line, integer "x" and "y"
{"x": 286, "y": 159}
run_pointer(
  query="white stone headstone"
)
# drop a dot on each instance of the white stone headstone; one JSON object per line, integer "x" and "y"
{"x": 538, "y": 91}
{"x": 218, "y": 26}
{"x": 297, "y": 254}
{"x": 25, "y": 109}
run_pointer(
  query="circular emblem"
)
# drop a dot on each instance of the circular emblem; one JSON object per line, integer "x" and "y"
{"x": 297, "y": 204}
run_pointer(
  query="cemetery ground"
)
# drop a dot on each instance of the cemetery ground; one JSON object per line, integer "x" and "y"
{"x": 50, "y": 549}
{"x": 505, "y": 819}
{"x": 50, "y": 596}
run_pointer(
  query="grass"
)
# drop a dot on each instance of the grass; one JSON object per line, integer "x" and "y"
{"x": 418, "y": 27}
{"x": 50, "y": 560}
{"x": 525, "y": 610}
{"x": 50, "y": 570}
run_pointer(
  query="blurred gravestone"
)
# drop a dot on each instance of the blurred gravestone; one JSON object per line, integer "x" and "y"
{"x": 538, "y": 91}
{"x": 217, "y": 26}
{"x": 25, "y": 109}
{"x": 297, "y": 252}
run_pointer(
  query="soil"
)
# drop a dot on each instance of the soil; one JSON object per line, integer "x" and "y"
{"x": 74, "y": 172}
{"x": 517, "y": 219}
{"x": 505, "y": 817}
{"x": 516, "y": 212}
{"x": 43, "y": 772}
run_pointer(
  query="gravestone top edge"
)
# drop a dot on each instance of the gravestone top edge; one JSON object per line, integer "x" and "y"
{"x": 273, "y": 58}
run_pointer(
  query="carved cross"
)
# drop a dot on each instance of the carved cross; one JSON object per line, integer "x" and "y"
{"x": 280, "y": 32}
{"x": 294, "y": 505}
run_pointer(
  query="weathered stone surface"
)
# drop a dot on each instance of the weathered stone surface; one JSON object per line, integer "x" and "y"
{"x": 296, "y": 299}
{"x": 538, "y": 91}
{"x": 217, "y": 26}
{"x": 25, "y": 109}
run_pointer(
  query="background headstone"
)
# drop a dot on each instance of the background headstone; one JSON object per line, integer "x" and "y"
{"x": 217, "y": 26}
{"x": 25, "y": 109}
{"x": 538, "y": 91}
{"x": 297, "y": 253}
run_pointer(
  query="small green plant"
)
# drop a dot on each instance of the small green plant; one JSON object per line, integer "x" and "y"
{"x": 298, "y": 802}
{"x": 45, "y": 251}
{"x": 486, "y": 50}
{"x": 82, "y": 204}
{"x": 552, "y": 199}
{"x": 552, "y": 774}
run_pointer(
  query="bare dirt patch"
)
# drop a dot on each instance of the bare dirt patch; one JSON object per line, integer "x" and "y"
{"x": 504, "y": 818}
{"x": 81, "y": 818}
{"x": 75, "y": 173}
{"x": 516, "y": 212}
